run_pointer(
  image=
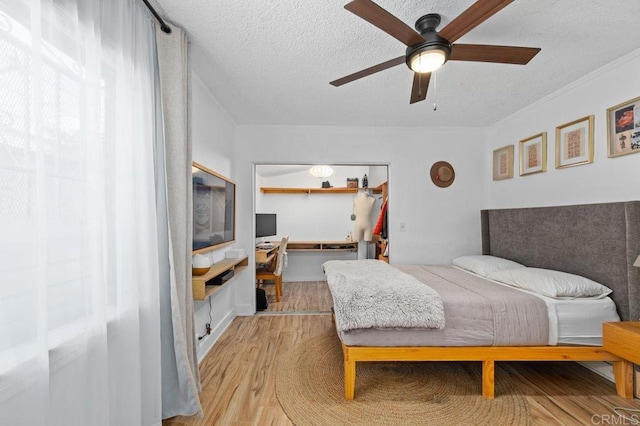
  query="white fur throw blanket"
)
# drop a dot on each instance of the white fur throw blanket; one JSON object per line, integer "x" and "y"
{"x": 373, "y": 294}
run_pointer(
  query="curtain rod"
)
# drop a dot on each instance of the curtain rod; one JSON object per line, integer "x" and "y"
{"x": 163, "y": 25}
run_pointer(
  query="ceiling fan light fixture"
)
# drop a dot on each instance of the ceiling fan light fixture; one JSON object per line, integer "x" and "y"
{"x": 321, "y": 171}
{"x": 427, "y": 50}
{"x": 427, "y": 60}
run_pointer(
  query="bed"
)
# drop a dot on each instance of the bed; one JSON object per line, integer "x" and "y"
{"x": 597, "y": 241}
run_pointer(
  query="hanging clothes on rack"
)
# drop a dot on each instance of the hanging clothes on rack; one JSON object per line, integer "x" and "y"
{"x": 377, "y": 230}
{"x": 385, "y": 225}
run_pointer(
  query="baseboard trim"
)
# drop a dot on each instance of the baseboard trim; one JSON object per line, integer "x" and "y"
{"x": 247, "y": 310}
{"x": 601, "y": 368}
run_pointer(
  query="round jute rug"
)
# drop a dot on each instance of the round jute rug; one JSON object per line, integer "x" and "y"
{"x": 310, "y": 389}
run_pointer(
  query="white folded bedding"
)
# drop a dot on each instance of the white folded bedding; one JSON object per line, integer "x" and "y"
{"x": 575, "y": 321}
{"x": 579, "y": 321}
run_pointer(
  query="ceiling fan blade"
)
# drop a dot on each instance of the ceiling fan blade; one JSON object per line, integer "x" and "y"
{"x": 476, "y": 14}
{"x": 420, "y": 86}
{"x": 371, "y": 70}
{"x": 489, "y": 53}
{"x": 376, "y": 15}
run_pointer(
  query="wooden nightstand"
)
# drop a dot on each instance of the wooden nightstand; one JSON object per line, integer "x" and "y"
{"x": 623, "y": 339}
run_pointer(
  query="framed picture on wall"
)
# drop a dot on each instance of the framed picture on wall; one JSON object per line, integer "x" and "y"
{"x": 533, "y": 154}
{"x": 503, "y": 163}
{"x": 574, "y": 143}
{"x": 623, "y": 128}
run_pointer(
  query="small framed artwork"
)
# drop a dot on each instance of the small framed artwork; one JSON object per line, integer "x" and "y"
{"x": 574, "y": 143}
{"x": 533, "y": 154}
{"x": 623, "y": 128}
{"x": 503, "y": 163}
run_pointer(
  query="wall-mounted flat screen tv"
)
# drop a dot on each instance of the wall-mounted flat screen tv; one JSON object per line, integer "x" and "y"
{"x": 214, "y": 209}
{"x": 266, "y": 225}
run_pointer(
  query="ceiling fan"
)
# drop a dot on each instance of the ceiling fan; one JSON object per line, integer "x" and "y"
{"x": 428, "y": 49}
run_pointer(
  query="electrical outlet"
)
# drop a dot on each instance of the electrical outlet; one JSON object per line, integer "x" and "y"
{"x": 207, "y": 332}
{"x": 403, "y": 226}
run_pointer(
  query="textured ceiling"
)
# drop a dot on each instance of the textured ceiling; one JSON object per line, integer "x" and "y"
{"x": 270, "y": 62}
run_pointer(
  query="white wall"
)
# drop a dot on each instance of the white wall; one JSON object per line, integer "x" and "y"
{"x": 605, "y": 180}
{"x": 212, "y": 134}
{"x": 312, "y": 217}
{"x": 303, "y": 179}
{"x": 377, "y": 175}
{"x": 440, "y": 223}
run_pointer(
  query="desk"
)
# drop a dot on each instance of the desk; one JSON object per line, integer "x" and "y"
{"x": 306, "y": 257}
{"x": 325, "y": 246}
{"x": 264, "y": 255}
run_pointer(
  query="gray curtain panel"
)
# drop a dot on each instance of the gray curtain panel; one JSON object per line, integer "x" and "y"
{"x": 180, "y": 375}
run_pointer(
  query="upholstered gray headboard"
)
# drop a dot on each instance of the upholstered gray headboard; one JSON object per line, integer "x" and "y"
{"x": 597, "y": 241}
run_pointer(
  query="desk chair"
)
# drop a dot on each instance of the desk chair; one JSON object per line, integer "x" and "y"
{"x": 276, "y": 274}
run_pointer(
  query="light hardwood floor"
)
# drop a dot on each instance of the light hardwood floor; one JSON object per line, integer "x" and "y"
{"x": 299, "y": 297}
{"x": 238, "y": 375}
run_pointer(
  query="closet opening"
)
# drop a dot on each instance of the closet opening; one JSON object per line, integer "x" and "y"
{"x": 308, "y": 214}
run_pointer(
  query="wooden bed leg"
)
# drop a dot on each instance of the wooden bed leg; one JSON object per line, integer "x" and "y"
{"x": 349, "y": 376}
{"x": 623, "y": 373}
{"x": 488, "y": 379}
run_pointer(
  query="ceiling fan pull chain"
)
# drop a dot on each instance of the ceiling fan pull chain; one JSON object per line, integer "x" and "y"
{"x": 435, "y": 91}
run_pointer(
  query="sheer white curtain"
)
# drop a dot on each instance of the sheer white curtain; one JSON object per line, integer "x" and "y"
{"x": 79, "y": 296}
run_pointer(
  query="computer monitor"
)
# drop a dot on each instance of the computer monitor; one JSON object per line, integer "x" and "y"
{"x": 266, "y": 225}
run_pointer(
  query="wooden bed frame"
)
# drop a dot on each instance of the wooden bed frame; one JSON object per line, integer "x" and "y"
{"x": 623, "y": 370}
{"x": 616, "y": 229}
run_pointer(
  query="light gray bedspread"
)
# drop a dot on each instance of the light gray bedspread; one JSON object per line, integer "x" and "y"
{"x": 373, "y": 294}
{"x": 478, "y": 312}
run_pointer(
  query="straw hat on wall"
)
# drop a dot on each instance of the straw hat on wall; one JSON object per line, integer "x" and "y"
{"x": 442, "y": 174}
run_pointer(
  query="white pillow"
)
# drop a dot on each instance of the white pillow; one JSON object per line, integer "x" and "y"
{"x": 484, "y": 265}
{"x": 556, "y": 284}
